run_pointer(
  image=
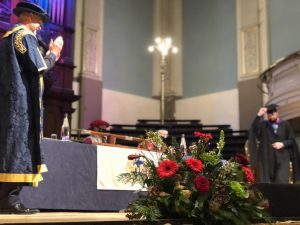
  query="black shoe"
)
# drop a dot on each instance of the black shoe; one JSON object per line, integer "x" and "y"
{"x": 18, "y": 209}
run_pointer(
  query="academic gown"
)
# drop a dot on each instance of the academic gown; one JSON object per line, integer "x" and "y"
{"x": 272, "y": 166}
{"x": 21, "y": 87}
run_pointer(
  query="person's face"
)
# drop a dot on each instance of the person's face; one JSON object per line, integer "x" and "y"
{"x": 99, "y": 128}
{"x": 36, "y": 22}
{"x": 273, "y": 116}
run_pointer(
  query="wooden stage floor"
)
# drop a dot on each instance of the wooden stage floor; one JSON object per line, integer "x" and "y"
{"x": 65, "y": 218}
{"x": 87, "y": 218}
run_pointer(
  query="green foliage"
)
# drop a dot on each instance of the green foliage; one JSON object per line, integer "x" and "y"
{"x": 200, "y": 186}
{"x": 210, "y": 158}
{"x": 133, "y": 178}
{"x": 156, "y": 139}
{"x": 221, "y": 142}
{"x": 174, "y": 142}
{"x": 142, "y": 208}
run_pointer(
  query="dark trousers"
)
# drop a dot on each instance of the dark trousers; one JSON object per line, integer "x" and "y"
{"x": 282, "y": 160}
{"x": 9, "y": 194}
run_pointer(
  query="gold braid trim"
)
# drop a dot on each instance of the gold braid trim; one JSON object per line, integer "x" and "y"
{"x": 33, "y": 178}
{"x": 18, "y": 41}
{"x": 12, "y": 31}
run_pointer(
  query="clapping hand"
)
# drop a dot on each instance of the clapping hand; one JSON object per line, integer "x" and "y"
{"x": 56, "y": 46}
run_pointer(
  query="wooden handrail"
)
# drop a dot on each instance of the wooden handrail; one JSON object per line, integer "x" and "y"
{"x": 111, "y": 137}
{"x": 153, "y": 121}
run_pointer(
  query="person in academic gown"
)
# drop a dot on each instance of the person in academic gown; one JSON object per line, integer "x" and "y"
{"x": 272, "y": 146}
{"x": 21, "y": 87}
{"x": 98, "y": 126}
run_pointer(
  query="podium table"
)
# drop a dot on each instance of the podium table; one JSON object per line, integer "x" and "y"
{"x": 70, "y": 183}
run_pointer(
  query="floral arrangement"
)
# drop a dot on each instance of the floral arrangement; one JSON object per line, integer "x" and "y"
{"x": 195, "y": 185}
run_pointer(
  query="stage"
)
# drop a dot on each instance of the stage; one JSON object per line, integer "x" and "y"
{"x": 89, "y": 218}
{"x": 68, "y": 194}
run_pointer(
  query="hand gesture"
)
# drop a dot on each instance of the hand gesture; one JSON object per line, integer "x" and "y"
{"x": 59, "y": 42}
{"x": 56, "y": 46}
{"x": 277, "y": 145}
{"x": 262, "y": 111}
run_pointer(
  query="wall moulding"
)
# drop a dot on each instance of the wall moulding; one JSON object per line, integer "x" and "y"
{"x": 91, "y": 52}
{"x": 249, "y": 52}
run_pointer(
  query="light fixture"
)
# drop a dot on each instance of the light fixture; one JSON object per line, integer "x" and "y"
{"x": 163, "y": 46}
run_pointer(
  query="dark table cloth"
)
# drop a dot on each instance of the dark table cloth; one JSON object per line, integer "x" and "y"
{"x": 70, "y": 183}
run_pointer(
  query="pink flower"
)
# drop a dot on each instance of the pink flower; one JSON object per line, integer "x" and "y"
{"x": 195, "y": 165}
{"x": 167, "y": 168}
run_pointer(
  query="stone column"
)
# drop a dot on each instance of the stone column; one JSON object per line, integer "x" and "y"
{"x": 88, "y": 57}
{"x": 252, "y": 41}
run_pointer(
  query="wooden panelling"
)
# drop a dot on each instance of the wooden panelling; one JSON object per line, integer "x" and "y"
{"x": 283, "y": 83}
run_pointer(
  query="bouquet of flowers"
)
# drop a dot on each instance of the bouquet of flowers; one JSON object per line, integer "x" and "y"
{"x": 196, "y": 185}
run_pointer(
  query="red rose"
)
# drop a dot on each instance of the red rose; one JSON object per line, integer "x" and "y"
{"x": 167, "y": 168}
{"x": 195, "y": 165}
{"x": 241, "y": 159}
{"x": 248, "y": 174}
{"x": 201, "y": 183}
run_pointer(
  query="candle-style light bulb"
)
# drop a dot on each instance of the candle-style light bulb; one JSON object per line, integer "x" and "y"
{"x": 168, "y": 41}
{"x": 151, "y": 48}
{"x": 174, "y": 50}
{"x": 157, "y": 40}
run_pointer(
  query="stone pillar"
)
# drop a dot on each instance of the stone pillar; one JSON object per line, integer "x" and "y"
{"x": 88, "y": 57}
{"x": 252, "y": 41}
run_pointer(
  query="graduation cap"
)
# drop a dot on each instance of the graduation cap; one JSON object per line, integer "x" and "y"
{"x": 31, "y": 7}
{"x": 271, "y": 108}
